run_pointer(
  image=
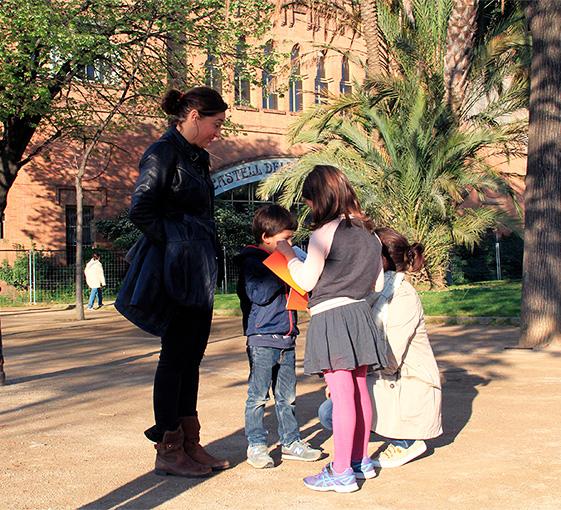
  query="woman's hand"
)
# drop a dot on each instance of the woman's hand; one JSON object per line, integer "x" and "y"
{"x": 284, "y": 247}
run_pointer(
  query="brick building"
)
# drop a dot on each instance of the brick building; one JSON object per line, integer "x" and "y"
{"x": 41, "y": 207}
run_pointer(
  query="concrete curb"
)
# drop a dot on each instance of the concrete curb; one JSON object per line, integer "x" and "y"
{"x": 466, "y": 320}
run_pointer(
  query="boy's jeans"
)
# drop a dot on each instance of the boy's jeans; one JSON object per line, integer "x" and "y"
{"x": 276, "y": 368}
{"x": 93, "y": 294}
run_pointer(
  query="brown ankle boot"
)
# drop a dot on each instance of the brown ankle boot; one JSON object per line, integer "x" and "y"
{"x": 191, "y": 428}
{"x": 171, "y": 458}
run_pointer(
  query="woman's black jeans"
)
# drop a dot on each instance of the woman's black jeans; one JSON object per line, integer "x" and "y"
{"x": 176, "y": 383}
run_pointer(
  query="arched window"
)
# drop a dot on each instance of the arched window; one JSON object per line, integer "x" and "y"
{"x": 321, "y": 84}
{"x": 268, "y": 81}
{"x": 345, "y": 86}
{"x": 295, "y": 81}
{"x": 242, "y": 93}
{"x": 213, "y": 75}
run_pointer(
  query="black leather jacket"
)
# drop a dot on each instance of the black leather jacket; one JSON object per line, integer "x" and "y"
{"x": 174, "y": 180}
{"x": 174, "y": 264}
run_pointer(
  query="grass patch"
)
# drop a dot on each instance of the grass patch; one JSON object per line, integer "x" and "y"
{"x": 226, "y": 302}
{"x": 484, "y": 299}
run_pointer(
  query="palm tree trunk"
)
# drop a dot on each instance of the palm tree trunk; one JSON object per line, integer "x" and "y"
{"x": 376, "y": 52}
{"x": 541, "y": 284}
{"x": 462, "y": 26}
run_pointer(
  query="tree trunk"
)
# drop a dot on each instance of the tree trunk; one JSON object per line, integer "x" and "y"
{"x": 176, "y": 51}
{"x": 15, "y": 139}
{"x": 2, "y": 373}
{"x": 541, "y": 284}
{"x": 460, "y": 35}
{"x": 375, "y": 47}
{"x": 79, "y": 243}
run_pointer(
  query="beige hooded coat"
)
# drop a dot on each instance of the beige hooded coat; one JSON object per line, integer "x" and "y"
{"x": 407, "y": 394}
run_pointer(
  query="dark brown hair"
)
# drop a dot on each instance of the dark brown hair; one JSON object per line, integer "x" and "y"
{"x": 332, "y": 195}
{"x": 205, "y": 100}
{"x": 271, "y": 220}
{"x": 399, "y": 255}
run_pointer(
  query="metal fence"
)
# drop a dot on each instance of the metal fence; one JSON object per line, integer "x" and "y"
{"x": 39, "y": 276}
{"x": 36, "y": 276}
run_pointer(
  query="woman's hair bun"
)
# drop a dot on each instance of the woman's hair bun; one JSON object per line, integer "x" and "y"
{"x": 171, "y": 102}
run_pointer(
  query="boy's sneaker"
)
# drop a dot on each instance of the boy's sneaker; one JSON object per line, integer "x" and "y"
{"x": 364, "y": 469}
{"x": 299, "y": 450}
{"x": 258, "y": 457}
{"x": 329, "y": 480}
{"x": 395, "y": 456}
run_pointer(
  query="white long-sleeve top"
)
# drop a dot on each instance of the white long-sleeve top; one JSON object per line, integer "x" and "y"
{"x": 341, "y": 267}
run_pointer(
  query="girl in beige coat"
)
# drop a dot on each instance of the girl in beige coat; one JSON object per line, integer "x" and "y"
{"x": 406, "y": 395}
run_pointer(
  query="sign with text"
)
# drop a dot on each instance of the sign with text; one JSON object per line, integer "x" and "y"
{"x": 244, "y": 173}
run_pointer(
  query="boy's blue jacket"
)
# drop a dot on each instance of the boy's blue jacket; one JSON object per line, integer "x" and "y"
{"x": 263, "y": 296}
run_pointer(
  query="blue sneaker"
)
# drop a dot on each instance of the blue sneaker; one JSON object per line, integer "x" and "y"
{"x": 364, "y": 469}
{"x": 329, "y": 480}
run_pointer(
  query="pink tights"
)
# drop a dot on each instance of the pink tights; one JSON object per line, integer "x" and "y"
{"x": 352, "y": 415}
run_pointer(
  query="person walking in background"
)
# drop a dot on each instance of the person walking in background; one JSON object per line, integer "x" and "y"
{"x": 341, "y": 268}
{"x": 271, "y": 332}
{"x": 407, "y": 393}
{"x": 169, "y": 288}
{"x": 95, "y": 278}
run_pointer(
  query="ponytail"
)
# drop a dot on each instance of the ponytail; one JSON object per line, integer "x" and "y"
{"x": 399, "y": 255}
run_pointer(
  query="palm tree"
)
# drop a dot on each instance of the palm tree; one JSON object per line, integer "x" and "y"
{"x": 376, "y": 52}
{"x": 462, "y": 26}
{"x": 415, "y": 177}
{"x": 412, "y": 158}
{"x": 541, "y": 297}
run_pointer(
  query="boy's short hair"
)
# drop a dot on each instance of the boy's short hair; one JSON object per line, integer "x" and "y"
{"x": 271, "y": 220}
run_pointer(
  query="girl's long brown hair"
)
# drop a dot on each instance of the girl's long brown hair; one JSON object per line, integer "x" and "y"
{"x": 332, "y": 195}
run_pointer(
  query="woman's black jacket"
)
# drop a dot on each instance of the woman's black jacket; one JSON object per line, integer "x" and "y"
{"x": 174, "y": 264}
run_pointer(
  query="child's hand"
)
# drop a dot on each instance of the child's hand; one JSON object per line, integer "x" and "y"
{"x": 327, "y": 392}
{"x": 284, "y": 247}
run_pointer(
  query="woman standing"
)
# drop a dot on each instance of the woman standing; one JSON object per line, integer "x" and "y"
{"x": 169, "y": 288}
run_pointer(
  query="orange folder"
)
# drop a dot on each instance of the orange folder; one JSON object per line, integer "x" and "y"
{"x": 297, "y": 297}
{"x": 296, "y": 301}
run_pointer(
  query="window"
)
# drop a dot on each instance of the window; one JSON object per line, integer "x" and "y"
{"x": 98, "y": 71}
{"x": 295, "y": 81}
{"x": 270, "y": 95}
{"x": 87, "y": 230}
{"x": 245, "y": 198}
{"x": 213, "y": 75}
{"x": 345, "y": 86}
{"x": 242, "y": 93}
{"x": 321, "y": 84}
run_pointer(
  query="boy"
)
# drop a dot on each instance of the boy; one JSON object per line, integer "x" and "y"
{"x": 271, "y": 335}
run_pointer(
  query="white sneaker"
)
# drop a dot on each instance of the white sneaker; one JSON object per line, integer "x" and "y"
{"x": 395, "y": 456}
{"x": 258, "y": 457}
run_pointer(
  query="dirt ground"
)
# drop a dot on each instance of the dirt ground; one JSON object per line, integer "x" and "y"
{"x": 79, "y": 397}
